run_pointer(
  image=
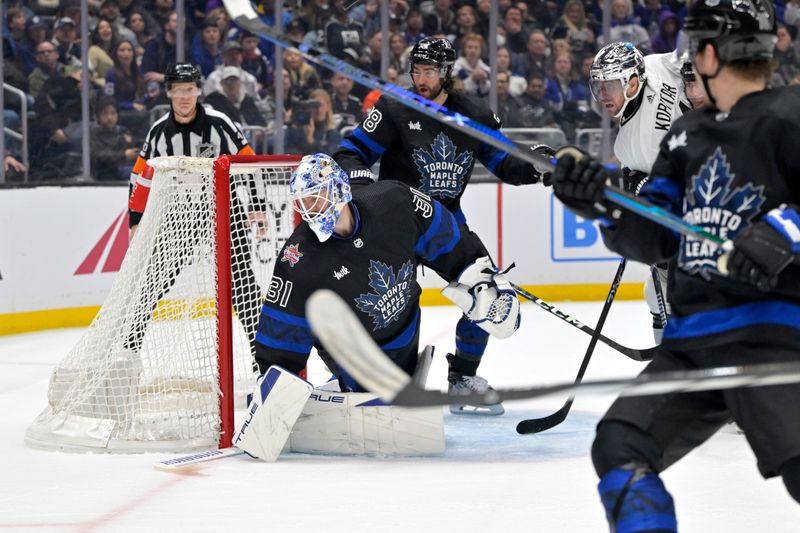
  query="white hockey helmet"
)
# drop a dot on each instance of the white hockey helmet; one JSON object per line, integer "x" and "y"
{"x": 319, "y": 190}
{"x": 620, "y": 62}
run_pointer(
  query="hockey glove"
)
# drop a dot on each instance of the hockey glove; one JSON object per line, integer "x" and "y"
{"x": 543, "y": 172}
{"x": 486, "y": 297}
{"x": 766, "y": 248}
{"x": 579, "y": 185}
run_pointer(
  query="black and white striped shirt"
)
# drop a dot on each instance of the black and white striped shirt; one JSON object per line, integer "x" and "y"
{"x": 210, "y": 134}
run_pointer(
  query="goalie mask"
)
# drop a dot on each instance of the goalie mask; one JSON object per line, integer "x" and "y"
{"x": 319, "y": 189}
{"x": 612, "y": 70}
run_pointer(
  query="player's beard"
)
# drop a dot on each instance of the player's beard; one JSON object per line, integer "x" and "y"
{"x": 434, "y": 92}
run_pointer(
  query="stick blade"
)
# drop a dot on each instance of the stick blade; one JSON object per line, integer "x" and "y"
{"x": 185, "y": 462}
{"x": 538, "y": 425}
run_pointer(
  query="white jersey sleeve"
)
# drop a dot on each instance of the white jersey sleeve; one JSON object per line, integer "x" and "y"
{"x": 640, "y": 135}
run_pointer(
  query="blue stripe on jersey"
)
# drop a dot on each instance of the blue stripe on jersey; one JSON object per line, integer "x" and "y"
{"x": 348, "y": 145}
{"x": 374, "y": 147}
{"x": 283, "y": 331}
{"x": 402, "y": 340}
{"x": 494, "y": 161}
{"x": 665, "y": 193}
{"x": 442, "y": 235}
{"x": 741, "y": 316}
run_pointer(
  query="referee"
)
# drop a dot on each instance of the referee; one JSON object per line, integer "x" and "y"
{"x": 190, "y": 129}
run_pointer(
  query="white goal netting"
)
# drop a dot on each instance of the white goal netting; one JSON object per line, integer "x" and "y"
{"x": 145, "y": 376}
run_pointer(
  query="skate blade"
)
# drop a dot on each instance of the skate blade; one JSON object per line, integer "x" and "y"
{"x": 478, "y": 410}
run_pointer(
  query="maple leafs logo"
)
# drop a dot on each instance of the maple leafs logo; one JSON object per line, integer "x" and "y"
{"x": 391, "y": 293}
{"x": 719, "y": 209}
{"x": 443, "y": 170}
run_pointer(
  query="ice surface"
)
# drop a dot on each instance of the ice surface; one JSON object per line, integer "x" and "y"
{"x": 489, "y": 480}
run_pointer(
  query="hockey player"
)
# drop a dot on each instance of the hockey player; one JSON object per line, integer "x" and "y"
{"x": 438, "y": 160}
{"x": 646, "y": 95}
{"x": 732, "y": 168}
{"x": 190, "y": 129}
{"x": 366, "y": 245}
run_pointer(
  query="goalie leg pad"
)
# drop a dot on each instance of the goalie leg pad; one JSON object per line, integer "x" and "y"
{"x": 359, "y": 423}
{"x": 278, "y": 400}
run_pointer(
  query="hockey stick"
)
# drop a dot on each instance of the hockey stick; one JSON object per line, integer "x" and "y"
{"x": 633, "y": 353}
{"x": 340, "y": 331}
{"x": 662, "y": 303}
{"x": 537, "y": 425}
{"x": 187, "y": 461}
{"x": 242, "y": 12}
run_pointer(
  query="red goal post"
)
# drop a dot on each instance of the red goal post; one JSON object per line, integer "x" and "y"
{"x": 171, "y": 350}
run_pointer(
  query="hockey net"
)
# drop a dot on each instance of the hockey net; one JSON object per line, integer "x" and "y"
{"x": 171, "y": 349}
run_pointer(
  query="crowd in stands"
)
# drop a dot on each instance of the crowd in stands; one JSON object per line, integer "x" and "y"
{"x": 545, "y": 49}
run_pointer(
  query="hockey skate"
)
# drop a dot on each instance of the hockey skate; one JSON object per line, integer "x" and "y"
{"x": 461, "y": 384}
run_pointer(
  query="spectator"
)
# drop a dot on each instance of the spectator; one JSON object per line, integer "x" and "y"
{"x": 234, "y": 101}
{"x": 346, "y": 107}
{"x": 139, "y": 26}
{"x": 47, "y": 66}
{"x": 414, "y": 22}
{"x": 398, "y": 52}
{"x": 65, "y": 41}
{"x": 624, "y": 27}
{"x": 649, "y": 12}
{"x": 101, "y": 51}
{"x": 312, "y": 129}
{"x": 220, "y": 17}
{"x": 124, "y": 82}
{"x": 563, "y": 89}
{"x": 113, "y": 148}
{"x": 508, "y": 107}
{"x": 160, "y": 52}
{"x": 14, "y": 31}
{"x": 304, "y": 78}
{"x": 516, "y": 34}
{"x": 470, "y": 68}
{"x": 315, "y": 14}
{"x": 786, "y": 57}
{"x": 232, "y": 56}
{"x": 516, "y": 83}
{"x": 296, "y": 32}
{"x": 341, "y": 32}
{"x": 35, "y": 32}
{"x": 127, "y": 11}
{"x": 666, "y": 40}
{"x": 206, "y": 48}
{"x": 369, "y": 15}
{"x": 466, "y": 23}
{"x": 109, "y": 10}
{"x": 536, "y": 112}
{"x": 163, "y": 11}
{"x": 254, "y": 62}
{"x": 576, "y": 28}
{"x": 442, "y": 20}
{"x": 535, "y": 61}
{"x": 373, "y": 59}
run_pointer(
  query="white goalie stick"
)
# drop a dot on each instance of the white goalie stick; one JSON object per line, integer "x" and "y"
{"x": 193, "y": 459}
{"x": 337, "y": 327}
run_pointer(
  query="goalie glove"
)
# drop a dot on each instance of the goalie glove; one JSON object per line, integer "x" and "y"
{"x": 766, "y": 248}
{"x": 486, "y": 297}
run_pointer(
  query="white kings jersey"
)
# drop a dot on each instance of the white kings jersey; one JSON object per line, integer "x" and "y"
{"x": 659, "y": 104}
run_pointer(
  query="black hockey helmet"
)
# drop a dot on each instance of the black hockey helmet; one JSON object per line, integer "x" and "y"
{"x": 433, "y": 51}
{"x": 182, "y": 73}
{"x": 738, "y": 29}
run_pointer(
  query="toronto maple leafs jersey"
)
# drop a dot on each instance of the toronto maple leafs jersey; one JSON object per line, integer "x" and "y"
{"x": 426, "y": 154}
{"x": 722, "y": 172}
{"x": 648, "y": 118}
{"x": 374, "y": 270}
